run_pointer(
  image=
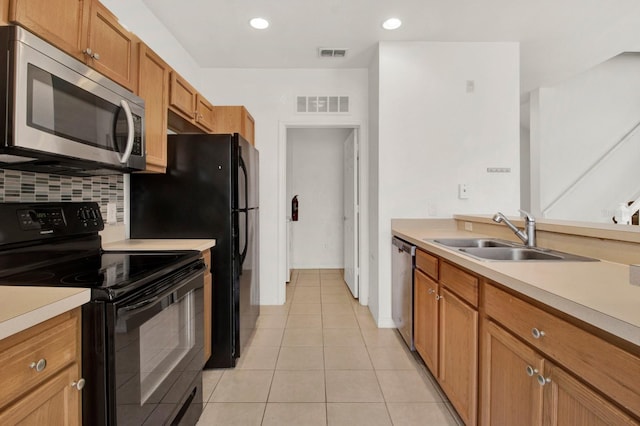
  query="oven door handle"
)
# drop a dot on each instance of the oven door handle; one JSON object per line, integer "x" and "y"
{"x": 172, "y": 295}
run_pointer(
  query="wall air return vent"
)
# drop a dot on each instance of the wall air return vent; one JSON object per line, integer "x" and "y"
{"x": 332, "y": 52}
{"x": 322, "y": 104}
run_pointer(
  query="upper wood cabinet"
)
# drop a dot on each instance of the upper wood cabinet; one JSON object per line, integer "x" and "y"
{"x": 188, "y": 104}
{"x": 4, "y": 12}
{"x": 63, "y": 23}
{"x": 204, "y": 113}
{"x": 84, "y": 29}
{"x": 111, "y": 49}
{"x": 153, "y": 87}
{"x": 234, "y": 119}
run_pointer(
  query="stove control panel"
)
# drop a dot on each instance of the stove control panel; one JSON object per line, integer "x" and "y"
{"x": 61, "y": 218}
{"x": 41, "y": 219}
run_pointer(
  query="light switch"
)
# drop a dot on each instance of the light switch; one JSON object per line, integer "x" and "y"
{"x": 463, "y": 191}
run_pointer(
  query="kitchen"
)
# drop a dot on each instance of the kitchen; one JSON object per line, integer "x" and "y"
{"x": 496, "y": 191}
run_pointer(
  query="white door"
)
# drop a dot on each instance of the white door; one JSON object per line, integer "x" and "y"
{"x": 351, "y": 212}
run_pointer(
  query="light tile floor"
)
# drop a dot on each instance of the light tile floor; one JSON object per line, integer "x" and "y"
{"x": 320, "y": 360}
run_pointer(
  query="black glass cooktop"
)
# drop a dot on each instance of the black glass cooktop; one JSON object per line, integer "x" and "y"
{"x": 109, "y": 274}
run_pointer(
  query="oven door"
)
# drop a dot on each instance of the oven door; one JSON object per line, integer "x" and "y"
{"x": 154, "y": 356}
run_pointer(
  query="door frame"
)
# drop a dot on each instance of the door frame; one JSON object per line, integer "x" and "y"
{"x": 363, "y": 217}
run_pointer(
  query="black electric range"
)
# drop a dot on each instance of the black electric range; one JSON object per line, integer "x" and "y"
{"x": 142, "y": 331}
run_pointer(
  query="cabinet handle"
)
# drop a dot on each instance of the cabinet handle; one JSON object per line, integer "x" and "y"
{"x": 78, "y": 384}
{"x": 537, "y": 333}
{"x": 543, "y": 380}
{"x": 90, "y": 53}
{"x": 438, "y": 297}
{"x": 531, "y": 371}
{"x": 430, "y": 291}
{"x": 39, "y": 366}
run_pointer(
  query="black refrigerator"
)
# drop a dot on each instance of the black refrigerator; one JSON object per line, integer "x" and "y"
{"x": 210, "y": 190}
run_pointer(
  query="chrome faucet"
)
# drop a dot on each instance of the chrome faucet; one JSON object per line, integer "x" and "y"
{"x": 528, "y": 235}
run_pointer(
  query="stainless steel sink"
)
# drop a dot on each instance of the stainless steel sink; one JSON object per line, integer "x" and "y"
{"x": 492, "y": 249}
{"x": 473, "y": 242}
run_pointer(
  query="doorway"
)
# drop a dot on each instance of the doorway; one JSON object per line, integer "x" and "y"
{"x": 322, "y": 173}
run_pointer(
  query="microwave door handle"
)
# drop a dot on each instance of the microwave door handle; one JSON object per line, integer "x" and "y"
{"x": 131, "y": 131}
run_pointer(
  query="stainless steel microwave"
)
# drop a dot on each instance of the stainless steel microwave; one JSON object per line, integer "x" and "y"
{"x": 60, "y": 116}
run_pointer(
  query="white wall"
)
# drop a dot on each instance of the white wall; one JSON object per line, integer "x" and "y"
{"x": 269, "y": 94}
{"x": 576, "y": 123}
{"x": 434, "y": 134}
{"x": 552, "y": 60}
{"x": 315, "y": 174}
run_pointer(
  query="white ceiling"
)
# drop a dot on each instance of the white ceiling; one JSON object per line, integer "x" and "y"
{"x": 216, "y": 32}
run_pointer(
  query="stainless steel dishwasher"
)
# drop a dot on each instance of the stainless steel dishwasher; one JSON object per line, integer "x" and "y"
{"x": 403, "y": 255}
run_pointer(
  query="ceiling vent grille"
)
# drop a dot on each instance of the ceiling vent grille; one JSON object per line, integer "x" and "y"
{"x": 322, "y": 104}
{"x": 332, "y": 52}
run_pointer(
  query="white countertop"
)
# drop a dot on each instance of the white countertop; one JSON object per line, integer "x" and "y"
{"x": 24, "y": 307}
{"x": 160, "y": 244}
{"x": 598, "y": 293}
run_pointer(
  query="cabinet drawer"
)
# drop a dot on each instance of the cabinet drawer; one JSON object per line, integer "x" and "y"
{"x": 460, "y": 282}
{"x": 55, "y": 343}
{"x": 427, "y": 263}
{"x": 608, "y": 368}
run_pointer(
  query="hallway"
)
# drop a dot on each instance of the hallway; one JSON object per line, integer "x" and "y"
{"x": 320, "y": 360}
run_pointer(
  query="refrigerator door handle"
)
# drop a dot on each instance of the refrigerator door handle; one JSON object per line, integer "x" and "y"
{"x": 243, "y": 253}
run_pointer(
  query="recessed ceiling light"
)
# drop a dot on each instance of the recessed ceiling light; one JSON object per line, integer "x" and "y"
{"x": 392, "y": 24}
{"x": 259, "y": 23}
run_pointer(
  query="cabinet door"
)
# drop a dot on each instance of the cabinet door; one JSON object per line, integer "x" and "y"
{"x": 510, "y": 393}
{"x": 61, "y": 22}
{"x": 113, "y": 47}
{"x": 204, "y": 114}
{"x": 55, "y": 402}
{"x": 569, "y": 402}
{"x": 458, "y": 369}
{"x": 425, "y": 320}
{"x": 153, "y": 87}
{"x": 182, "y": 97}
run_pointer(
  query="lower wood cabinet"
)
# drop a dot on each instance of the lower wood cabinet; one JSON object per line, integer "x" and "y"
{"x": 569, "y": 402}
{"x": 208, "y": 292}
{"x": 510, "y": 393}
{"x": 596, "y": 381}
{"x": 425, "y": 319}
{"x": 41, "y": 373}
{"x": 446, "y": 330}
{"x": 520, "y": 386}
{"x": 458, "y": 354}
{"x": 504, "y": 359}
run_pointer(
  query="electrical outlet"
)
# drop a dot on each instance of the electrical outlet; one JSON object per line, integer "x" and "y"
{"x": 111, "y": 213}
{"x": 468, "y": 226}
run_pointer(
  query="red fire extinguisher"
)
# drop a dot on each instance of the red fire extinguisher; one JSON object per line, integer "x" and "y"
{"x": 294, "y": 208}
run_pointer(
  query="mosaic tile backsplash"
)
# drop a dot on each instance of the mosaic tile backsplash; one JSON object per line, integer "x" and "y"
{"x": 21, "y": 187}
